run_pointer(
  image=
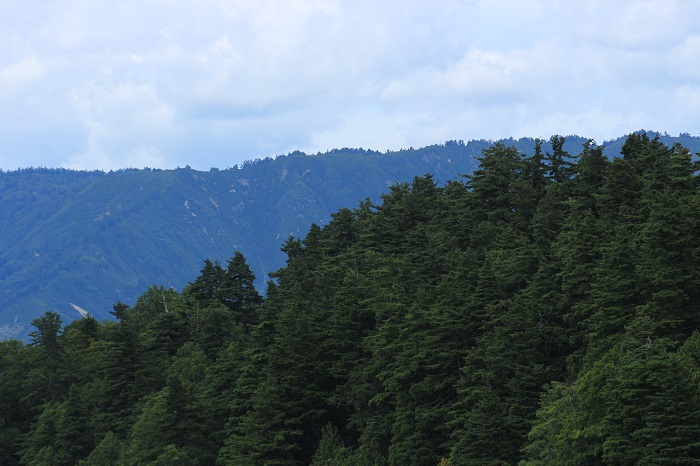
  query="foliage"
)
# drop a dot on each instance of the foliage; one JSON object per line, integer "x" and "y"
{"x": 542, "y": 310}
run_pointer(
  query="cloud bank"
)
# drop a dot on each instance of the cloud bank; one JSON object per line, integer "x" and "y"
{"x": 107, "y": 85}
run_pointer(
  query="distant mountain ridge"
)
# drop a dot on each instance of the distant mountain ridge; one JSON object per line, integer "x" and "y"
{"x": 90, "y": 239}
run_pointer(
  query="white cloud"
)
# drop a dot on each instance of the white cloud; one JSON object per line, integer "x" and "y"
{"x": 683, "y": 60}
{"x": 214, "y": 82}
{"x": 21, "y": 73}
{"x": 124, "y": 123}
{"x": 483, "y": 75}
{"x": 377, "y": 130}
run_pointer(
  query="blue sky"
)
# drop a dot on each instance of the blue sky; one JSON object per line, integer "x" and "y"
{"x": 211, "y": 83}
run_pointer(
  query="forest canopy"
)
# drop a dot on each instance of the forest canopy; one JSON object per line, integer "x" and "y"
{"x": 542, "y": 310}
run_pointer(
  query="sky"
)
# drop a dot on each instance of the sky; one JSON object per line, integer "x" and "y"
{"x": 212, "y": 83}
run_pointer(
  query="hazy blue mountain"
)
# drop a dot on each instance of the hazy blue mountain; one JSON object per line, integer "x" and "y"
{"x": 90, "y": 239}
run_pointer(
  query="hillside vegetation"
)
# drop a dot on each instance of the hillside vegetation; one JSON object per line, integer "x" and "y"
{"x": 542, "y": 310}
{"x": 91, "y": 239}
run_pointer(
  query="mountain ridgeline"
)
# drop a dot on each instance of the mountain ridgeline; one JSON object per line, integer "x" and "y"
{"x": 86, "y": 240}
{"x": 542, "y": 310}
{"x": 93, "y": 238}
{"x": 90, "y": 239}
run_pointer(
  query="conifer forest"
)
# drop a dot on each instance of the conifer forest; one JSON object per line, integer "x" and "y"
{"x": 542, "y": 310}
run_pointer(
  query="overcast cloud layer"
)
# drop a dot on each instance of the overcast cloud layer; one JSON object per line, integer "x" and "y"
{"x": 211, "y": 83}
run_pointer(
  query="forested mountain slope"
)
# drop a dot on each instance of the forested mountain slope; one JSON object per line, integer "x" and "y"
{"x": 543, "y": 310}
{"x": 92, "y": 239}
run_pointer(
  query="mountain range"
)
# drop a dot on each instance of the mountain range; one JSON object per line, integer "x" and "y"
{"x": 78, "y": 241}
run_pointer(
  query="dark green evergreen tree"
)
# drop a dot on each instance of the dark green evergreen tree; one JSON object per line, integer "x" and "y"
{"x": 207, "y": 286}
{"x": 635, "y": 405}
{"x": 15, "y": 415}
{"x": 541, "y": 311}
{"x": 238, "y": 291}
